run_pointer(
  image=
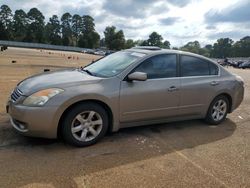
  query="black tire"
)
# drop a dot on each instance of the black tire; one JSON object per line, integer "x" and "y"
{"x": 209, "y": 118}
{"x": 70, "y": 117}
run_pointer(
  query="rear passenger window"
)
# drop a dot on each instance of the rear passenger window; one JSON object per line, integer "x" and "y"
{"x": 214, "y": 70}
{"x": 192, "y": 66}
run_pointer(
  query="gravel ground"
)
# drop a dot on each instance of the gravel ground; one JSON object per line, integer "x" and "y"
{"x": 182, "y": 154}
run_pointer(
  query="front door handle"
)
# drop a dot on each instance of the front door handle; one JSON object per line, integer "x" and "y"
{"x": 214, "y": 83}
{"x": 172, "y": 88}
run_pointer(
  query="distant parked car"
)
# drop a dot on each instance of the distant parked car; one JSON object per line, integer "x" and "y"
{"x": 222, "y": 63}
{"x": 236, "y": 64}
{"x": 138, "y": 86}
{"x": 109, "y": 52}
{"x": 85, "y": 51}
{"x": 88, "y": 51}
{"x": 99, "y": 52}
{"x": 244, "y": 65}
{"x": 225, "y": 62}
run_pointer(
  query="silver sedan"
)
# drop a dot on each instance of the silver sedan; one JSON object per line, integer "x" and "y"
{"x": 138, "y": 86}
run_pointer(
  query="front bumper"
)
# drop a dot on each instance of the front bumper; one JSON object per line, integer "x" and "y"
{"x": 33, "y": 121}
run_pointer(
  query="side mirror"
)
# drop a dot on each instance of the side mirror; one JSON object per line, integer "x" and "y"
{"x": 138, "y": 76}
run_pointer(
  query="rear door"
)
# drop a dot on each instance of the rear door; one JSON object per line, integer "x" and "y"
{"x": 199, "y": 82}
{"x": 157, "y": 97}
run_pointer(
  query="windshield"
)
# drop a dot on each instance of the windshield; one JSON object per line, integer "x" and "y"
{"x": 113, "y": 64}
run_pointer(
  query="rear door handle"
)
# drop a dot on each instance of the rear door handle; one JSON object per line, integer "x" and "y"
{"x": 172, "y": 88}
{"x": 214, "y": 83}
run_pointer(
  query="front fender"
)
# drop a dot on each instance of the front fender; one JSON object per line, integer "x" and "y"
{"x": 93, "y": 92}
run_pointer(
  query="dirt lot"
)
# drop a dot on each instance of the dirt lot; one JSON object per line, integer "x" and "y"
{"x": 183, "y": 154}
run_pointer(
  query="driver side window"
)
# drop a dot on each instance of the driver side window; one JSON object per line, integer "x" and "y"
{"x": 159, "y": 66}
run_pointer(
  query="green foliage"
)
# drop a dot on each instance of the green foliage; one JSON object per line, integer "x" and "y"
{"x": 138, "y": 42}
{"x": 35, "y": 30}
{"x": 77, "y": 27}
{"x": 89, "y": 40}
{"x": 88, "y": 37}
{"x": 6, "y": 16}
{"x": 109, "y": 35}
{"x": 66, "y": 29}
{"x": 144, "y": 43}
{"x": 102, "y": 43}
{"x": 4, "y": 33}
{"x": 155, "y": 39}
{"x": 166, "y": 44}
{"x": 129, "y": 44}
{"x": 88, "y": 24}
{"x": 114, "y": 40}
{"x": 241, "y": 48}
{"x": 71, "y": 30}
{"x": 20, "y": 25}
{"x": 53, "y": 31}
{"x": 5, "y": 22}
{"x": 193, "y": 47}
{"x": 222, "y": 48}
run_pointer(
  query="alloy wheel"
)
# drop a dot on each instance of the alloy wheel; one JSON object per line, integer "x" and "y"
{"x": 219, "y": 110}
{"x": 86, "y": 126}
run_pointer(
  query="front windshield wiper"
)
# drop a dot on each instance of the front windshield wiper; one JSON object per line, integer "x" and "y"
{"x": 87, "y": 71}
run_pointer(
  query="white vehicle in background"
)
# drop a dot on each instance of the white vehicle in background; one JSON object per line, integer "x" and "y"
{"x": 88, "y": 51}
{"x": 84, "y": 51}
{"x": 99, "y": 52}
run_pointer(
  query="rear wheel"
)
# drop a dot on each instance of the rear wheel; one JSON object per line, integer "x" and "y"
{"x": 85, "y": 124}
{"x": 218, "y": 110}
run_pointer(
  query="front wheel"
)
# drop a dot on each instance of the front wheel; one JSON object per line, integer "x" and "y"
{"x": 85, "y": 124}
{"x": 218, "y": 110}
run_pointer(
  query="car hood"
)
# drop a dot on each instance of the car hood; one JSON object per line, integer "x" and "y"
{"x": 60, "y": 79}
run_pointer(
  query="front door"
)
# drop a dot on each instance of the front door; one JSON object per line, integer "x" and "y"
{"x": 157, "y": 97}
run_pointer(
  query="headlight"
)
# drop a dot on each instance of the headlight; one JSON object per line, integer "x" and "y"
{"x": 41, "y": 97}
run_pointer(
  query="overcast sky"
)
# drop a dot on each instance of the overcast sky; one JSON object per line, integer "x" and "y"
{"x": 178, "y": 21}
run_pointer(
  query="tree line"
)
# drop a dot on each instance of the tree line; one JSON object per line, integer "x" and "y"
{"x": 77, "y": 30}
{"x": 69, "y": 30}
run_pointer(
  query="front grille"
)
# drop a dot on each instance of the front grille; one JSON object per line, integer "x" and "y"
{"x": 16, "y": 94}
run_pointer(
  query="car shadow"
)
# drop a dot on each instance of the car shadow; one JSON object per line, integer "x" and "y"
{"x": 127, "y": 146}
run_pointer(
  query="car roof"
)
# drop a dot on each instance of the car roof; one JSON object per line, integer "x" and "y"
{"x": 156, "y": 50}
